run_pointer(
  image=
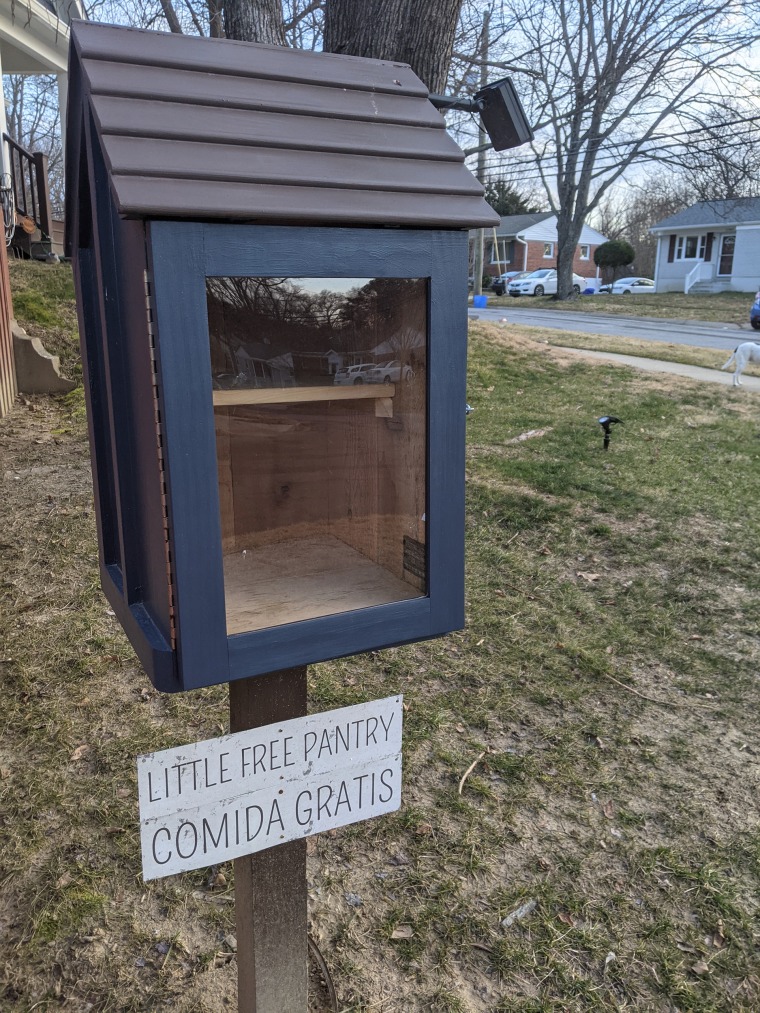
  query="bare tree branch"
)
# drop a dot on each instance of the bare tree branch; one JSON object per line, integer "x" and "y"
{"x": 297, "y": 18}
{"x": 605, "y": 79}
{"x": 171, "y": 17}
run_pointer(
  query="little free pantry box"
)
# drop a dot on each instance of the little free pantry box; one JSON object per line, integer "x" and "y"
{"x": 270, "y": 254}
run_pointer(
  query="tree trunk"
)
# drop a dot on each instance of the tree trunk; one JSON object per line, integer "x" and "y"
{"x": 568, "y": 234}
{"x": 407, "y": 31}
{"x": 254, "y": 21}
{"x": 216, "y": 19}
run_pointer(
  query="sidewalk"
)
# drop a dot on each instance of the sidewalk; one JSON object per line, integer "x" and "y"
{"x": 675, "y": 368}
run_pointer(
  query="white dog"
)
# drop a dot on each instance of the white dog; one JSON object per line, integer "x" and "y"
{"x": 748, "y": 351}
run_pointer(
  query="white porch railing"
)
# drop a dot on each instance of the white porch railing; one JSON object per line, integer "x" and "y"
{"x": 702, "y": 272}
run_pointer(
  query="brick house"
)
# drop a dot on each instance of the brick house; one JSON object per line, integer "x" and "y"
{"x": 529, "y": 242}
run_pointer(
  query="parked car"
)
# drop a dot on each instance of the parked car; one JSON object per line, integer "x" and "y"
{"x": 390, "y": 372}
{"x": 633, "y": 286}
{"x": 499, "y": 286}
{"x": 353, "y": 374}
{"x": 604, "y": 289}
{"x": 229, "y": 381}
{"x": 754, "y": 313}
{"x": 542, "y": 282}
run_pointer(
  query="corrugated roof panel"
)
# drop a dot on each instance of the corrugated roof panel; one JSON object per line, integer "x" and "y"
{"x": 200, "y": 160}
{"x": 244, "y": 59}
{"x": 288, "y": 132}
{"x": 209, "y": 128}
{"x": 149, "y": 196}
{"x": 227, "y": 91}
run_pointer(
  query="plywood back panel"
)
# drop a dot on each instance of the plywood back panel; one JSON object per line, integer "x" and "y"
{"x": 319, "y": 470}
{"x": 402, "y": 454}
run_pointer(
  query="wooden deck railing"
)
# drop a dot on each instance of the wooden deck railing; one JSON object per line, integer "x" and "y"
{"x": 29, "y": 176}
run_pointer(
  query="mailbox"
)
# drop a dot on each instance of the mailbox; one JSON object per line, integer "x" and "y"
{"x": 270, "y": 253}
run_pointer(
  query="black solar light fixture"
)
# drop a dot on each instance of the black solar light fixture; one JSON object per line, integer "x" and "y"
{"x": 500, "y": 109}
{"x": 503, "y": 115}
{"x": 606, "y": 422}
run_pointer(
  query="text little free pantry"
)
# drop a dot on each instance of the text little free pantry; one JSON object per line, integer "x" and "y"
{"x": 349, "y": 738}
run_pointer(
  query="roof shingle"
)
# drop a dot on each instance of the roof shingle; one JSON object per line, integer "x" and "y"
{"x": 738, "y": 211}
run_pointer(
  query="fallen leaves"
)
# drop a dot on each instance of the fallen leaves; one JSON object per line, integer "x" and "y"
{"x": 718, "y": 940}
{"x": 80, "y": 752}
{"x": 590, "y": 578}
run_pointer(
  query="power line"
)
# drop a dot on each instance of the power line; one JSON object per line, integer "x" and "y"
{"x": 607, "y": 159}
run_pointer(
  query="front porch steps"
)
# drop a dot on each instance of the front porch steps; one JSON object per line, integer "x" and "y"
{"x": 709, "y": 287}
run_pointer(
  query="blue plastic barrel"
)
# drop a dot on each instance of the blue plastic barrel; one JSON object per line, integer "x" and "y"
{"x": 480, "y": 301}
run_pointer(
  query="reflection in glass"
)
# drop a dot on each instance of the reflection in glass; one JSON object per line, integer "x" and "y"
{"x": 319, "y": 391}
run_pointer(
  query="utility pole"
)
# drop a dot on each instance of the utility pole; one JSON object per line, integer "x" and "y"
{"x": 483, "y": 143}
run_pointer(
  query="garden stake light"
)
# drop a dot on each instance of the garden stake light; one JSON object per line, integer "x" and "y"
{"x": 606, "y": 422}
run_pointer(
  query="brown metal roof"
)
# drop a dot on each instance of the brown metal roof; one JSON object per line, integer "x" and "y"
{"x": 211, "y": 128}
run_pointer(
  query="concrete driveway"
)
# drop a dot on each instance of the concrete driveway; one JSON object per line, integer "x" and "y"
{"x": 703, "y": 335}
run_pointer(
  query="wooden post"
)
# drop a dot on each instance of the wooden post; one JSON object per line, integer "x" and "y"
{"x": 270, "y": 886}
{"x": 44, "y": 220}
{"x": 8, "y": 388}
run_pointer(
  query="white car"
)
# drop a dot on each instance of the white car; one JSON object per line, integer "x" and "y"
{"x": 633, "y": 286}
{"x": 354, "y": 374}
{"x": 390, "y": 372}
{"x": 542, "y": 282}
{"x": 499, "y": 285}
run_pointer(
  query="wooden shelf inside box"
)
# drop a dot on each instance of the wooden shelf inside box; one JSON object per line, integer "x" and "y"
{"x": 381, "y": 393}
{"x": 285, "y": 582}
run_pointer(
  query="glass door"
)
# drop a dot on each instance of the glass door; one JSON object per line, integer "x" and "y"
{"x": 726, "y": 260}
{"x": 320, "y": 394}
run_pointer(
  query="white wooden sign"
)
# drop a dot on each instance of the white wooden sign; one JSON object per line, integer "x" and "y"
{"x": 212, "y": 801}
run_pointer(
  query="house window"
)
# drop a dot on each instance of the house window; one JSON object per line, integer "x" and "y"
{"x": 585, "y": 251}
{"x": 501, "y": 252}
{"x": 691, "y": 247}
{"x": 548, "y": 250}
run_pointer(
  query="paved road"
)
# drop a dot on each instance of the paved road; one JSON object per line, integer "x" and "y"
{"x": 724, "y": 336}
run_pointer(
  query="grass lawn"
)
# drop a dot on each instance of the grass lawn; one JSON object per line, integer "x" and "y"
{"x": 604, "y": 852}
{"x": 44, "y": 305}
{"x": 723, "y": 307}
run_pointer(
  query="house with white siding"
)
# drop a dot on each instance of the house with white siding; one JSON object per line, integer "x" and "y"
{"x": 712, "y": 246}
